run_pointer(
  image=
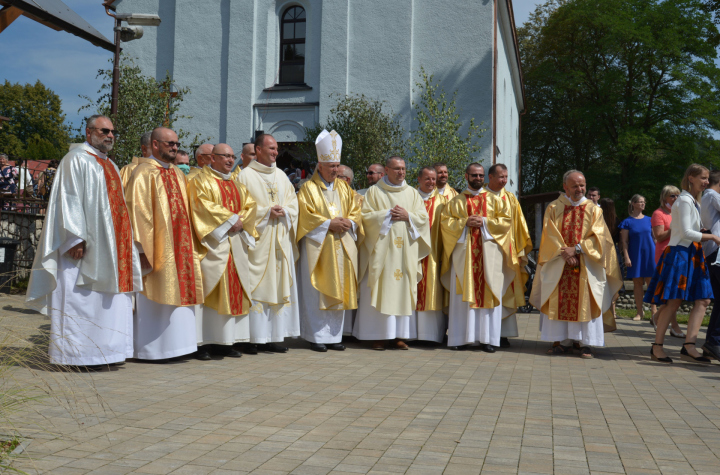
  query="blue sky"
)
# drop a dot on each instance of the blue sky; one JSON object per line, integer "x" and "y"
{"x": 68, "y": 65}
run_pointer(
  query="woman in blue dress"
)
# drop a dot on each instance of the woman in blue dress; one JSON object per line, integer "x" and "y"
{"x": 638, "y": 250}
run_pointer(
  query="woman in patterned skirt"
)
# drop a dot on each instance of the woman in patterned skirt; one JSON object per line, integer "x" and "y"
{"x": 681, "y": 273}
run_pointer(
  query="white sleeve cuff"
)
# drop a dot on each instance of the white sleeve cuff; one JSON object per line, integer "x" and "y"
{"x": 71, "y": 242}
{"x": 247, "y": 239}
{"x": 463, "y": 236}
{"x": 318, "y": 234}
{"x": 486, "y": 234}
{"x": 386, "y": 225}
{"x": 414, "y": 234}
{"x": 221, "y": 232}
{"x": 352, "y": 231}
{"x": 261, "y": 227}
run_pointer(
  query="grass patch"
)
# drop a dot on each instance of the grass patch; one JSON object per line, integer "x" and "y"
{"x": 682, "y": 318}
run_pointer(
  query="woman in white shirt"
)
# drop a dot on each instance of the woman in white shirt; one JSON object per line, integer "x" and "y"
{"x": 681, "y": 273}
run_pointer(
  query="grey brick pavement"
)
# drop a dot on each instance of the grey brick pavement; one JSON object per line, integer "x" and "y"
{"x": 424, "y": 411}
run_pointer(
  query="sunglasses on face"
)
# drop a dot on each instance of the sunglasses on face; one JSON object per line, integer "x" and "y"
{"x": 476, "y": 175}
{"x": 170, "y": 144}
{"x": 103, "y": 130}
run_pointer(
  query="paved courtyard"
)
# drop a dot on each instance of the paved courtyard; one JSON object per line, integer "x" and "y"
{"x": 423, "y": 411}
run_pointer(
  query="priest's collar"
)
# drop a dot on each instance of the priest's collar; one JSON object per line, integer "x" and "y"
{"x": 473, "y": 192}
{"x": 426, "y": 196}
{"x": 493, "y": 191}
{"x": 387, "y": 185}
{"x": 93, "y": 150}
{"x": 575, "y": 203}
{"x": 260, "y": 168}
{"x": 224, "y": 176}
{"x": 328, "y": 185}
{"x": 164, "y": 164}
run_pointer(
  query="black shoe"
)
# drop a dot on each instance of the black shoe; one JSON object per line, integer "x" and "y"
{"x": 710, "y": 351}
{"x": 319, "y": 347}
{"x": 93, "y": 367}
{"x": 249, "y": 348}
{"x": 458, "y": 348}
{"x": 275, "y": 348}
{"x": 119, "y": 363}
{"x": 232, "y": 353}
{"x": 667, "y": 359}
{"x": 335, "y": 346}
{"x": 202, "y": 354}
{"x": 504, "y": 342}
{"x": 487, "y": 348}
{"x": 684, "y": 355}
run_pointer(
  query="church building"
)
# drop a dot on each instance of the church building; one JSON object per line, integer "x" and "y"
{"x": 278, "y": 65}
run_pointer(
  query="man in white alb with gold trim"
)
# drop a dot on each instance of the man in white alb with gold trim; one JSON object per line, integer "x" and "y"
{"x": 397, "y": 238}
{"x": 329, "y": 227}
{"x": 274, "y": 312}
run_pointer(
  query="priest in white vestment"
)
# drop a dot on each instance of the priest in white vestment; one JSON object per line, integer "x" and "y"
{"x": 169, "y": 252}
{"x": 431, "y": 296}
{"x": 577, "y": 274}
{"x": 223, "y": 215}
{"x": 397, "y": 238}
{"x": 476, "y": 270}
{"x": 329, "y": 228}
{"x": 86, "y": 266}
{"x": 274, "y": 312}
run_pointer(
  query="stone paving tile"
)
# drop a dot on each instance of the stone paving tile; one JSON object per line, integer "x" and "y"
{"x": 424, "y": 411}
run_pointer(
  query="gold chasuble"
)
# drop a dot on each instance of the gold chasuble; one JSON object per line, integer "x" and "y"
{"x": 583, "y": 293}
{"x": 272, "y": 262}
{"x": 521, "y": 245}
{"x": 160, "y": 216}
{"x": 194, "y": 171}
{"x": 483, "y": 264}
{"x": 333, "y": 263}
{"x": 389, "y": 255}
{"x": 430, "y": 292}
{"x": 127, "y": 170}
{"x": 448, "y": 193}
{"x": 213, "y": 201}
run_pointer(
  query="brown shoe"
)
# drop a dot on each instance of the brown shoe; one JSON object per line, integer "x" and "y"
{"x": 378, "y": 345}
{"x": 401, "y": 345}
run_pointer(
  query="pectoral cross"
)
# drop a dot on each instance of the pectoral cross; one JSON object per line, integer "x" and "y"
{"x": 272, "y": 191}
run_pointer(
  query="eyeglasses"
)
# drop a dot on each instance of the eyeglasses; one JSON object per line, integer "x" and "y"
{"x": 103, "y": 130}
{"x": 673, "y": 196}
{"x": 226, "y": 155}
{"x": 370, "y": 172}
{"x": 478, "y": 175}
{"x": 170, "y": 144}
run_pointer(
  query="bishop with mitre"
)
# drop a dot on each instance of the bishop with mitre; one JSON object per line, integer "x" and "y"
{"x": 272, "y": 280}
{"x": 169, "y": 253}
{"x": 431, "y": 321}
{"x": 397, "y": 238}
{"x": 223, "y": 215}
{"x": 329, "y": 229}
{"x": 85, "y": 265}
{"x": 577, "y": 274}
{"x": 476, "y": 268}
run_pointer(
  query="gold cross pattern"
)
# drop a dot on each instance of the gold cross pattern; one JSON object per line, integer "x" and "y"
{"x": 398, "y": 274}
{"x": 398, "y": 242}
{"x": 272, "y": 191}
{"x": 333, "y": 210}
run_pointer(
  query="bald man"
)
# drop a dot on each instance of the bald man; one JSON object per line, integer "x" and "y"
{"x": 203, "y": 156}
{"x": 246, "y": 156}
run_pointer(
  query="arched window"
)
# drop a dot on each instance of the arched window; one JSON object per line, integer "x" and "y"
{"x": 292, "y": 46}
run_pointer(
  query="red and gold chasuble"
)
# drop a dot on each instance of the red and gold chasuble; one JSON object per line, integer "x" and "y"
{"x": 422, "y": 285}
{"x": 477, "y": 205}
{"x": 182, "y": 238}
{"x": 121, "y": 225}
{"x": 569, "y": 285}
{"x": 233, "y": 202}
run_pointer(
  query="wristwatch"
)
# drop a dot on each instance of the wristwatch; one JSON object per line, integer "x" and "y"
{"x": 578, "y": 249}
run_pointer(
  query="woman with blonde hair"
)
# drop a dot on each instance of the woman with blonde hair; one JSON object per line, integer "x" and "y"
{"x": 660, "y": 222}
{"x": 682, "y": 273}
{"x": 638, "y": 250}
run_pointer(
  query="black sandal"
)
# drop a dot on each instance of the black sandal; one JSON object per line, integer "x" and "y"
{"x": 667, "y": 359}
{"x": 558, "y": 349}
{"x": 684, "y": 355}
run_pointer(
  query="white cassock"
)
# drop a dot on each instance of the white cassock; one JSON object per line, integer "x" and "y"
{"x": 90, "y": 321}
{"x": 161, "y": 331}
{"x": 274, "y": 313}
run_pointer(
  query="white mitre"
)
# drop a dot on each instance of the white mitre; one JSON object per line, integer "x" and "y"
{"x": 328, "y": 146}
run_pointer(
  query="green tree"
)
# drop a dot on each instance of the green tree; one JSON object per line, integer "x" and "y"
{"x": 438, "y": 137}
{"x": 369, "y": 133}
{"x": 143, "y": 104}
{"x": 36, "y": 115}
{"x": 625, "y": 90}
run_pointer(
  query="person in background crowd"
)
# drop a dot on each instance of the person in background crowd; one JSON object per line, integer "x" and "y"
{"x": 374, "y": 174}
{"x": 145, "y": 150}
{"x": 608, "y": 208}
{"x": 45, "y": 180}
{"x": 710, "y": 214}
{"x": 660, "y": 222}
{"x": 182, "y": 161}
{"x": 442, "y": 178}
{"x": 8, "y": 177}
{"x": 593, "y": 195}
{"x": 247, "y": 155}
{"x": 203, "y": 156}
{"x": 24, "y": 179}
{"x": 638, "y": 250}
{"x": 682, "y": 273}
{"x": 346, "y": 174}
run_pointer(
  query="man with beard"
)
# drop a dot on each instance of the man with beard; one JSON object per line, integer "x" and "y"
{"x": 442, "y": 178}
{"x": 86, "y": 265}
{"x": 169, "y": 252}
{"x": 374, "y": 174}
{"x": 475, "y": 270}
{"x": 397, "y": 238}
